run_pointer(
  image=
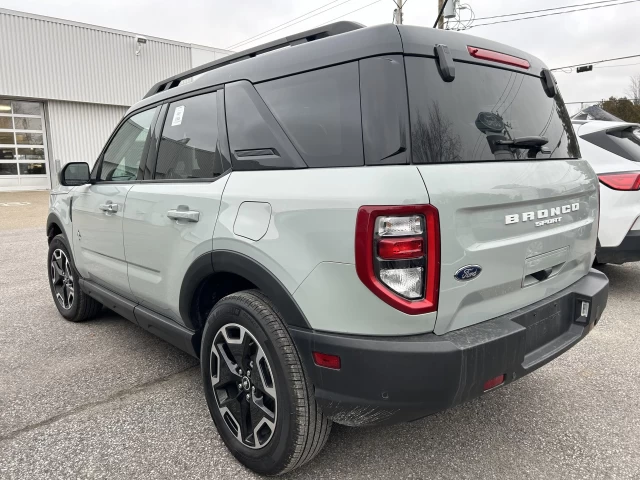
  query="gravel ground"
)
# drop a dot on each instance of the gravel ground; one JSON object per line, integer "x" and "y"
{"x": 106, "y": 399}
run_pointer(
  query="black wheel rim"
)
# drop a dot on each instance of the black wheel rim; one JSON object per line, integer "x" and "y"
{"x": 243, "y": 386}
{"x": 62, "y": 279}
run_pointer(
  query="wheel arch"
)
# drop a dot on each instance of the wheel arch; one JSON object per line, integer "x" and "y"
{"x": 55, "y": 226}
{"x": 219, "y": 273}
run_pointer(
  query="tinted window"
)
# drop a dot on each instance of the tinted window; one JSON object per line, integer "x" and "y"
{"x": 190, "y": 144}
{"x": 467, "y": 120}
{"x": 122, "y": 158}
{"x": 320, "y": 112}
{"x": 628, "y": 140}
{"x": 385, "y": 113}
{"x": 256, "y": 138}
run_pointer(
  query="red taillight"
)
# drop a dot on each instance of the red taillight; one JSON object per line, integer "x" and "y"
{"x": 494, "y": 382}
{"x": 401, "y": 248}
{"x": 621, "y": 181}
{"x": 326, "y": 360}
{"x": 492, "y": 56}
{"x": 397, "y": 250}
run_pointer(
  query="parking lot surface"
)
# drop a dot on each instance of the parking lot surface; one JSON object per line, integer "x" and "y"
{"x": 106, "y": 399}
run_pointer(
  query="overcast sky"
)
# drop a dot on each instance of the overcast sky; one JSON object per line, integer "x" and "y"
{"x": 559, "y": 40}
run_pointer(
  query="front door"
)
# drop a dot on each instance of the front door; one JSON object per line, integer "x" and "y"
{"x": 98, "y": 209}
{"x": 169, "y": 219}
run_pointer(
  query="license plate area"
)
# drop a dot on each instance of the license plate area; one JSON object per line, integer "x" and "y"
{"x": 546, "y": 323}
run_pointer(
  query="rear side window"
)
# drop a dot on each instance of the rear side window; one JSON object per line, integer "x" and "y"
{"x": 385, "y": 114}
{"x": 190, "y": 144}
{"x": 320, "y": 113}
{"x": 476, "y": 116}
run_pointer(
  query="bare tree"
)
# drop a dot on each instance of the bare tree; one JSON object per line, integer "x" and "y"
{"x": 634, "y": 89}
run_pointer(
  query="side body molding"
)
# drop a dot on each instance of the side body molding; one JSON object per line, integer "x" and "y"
{"x": 227, "y": 261}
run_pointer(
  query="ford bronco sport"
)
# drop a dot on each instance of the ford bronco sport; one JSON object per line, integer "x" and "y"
{"x": 352, "y": 225}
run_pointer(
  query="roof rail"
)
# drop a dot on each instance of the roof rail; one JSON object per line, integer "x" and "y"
{"x": 302, "y": 37}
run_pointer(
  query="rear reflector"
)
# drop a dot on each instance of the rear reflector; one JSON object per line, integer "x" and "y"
{"x": 621, "y": 181}
{"x": 498, "y": 57}
{"x": 401, "y": 248}
{"x": 327, "y": 361}
{"x": 494, "y": 382}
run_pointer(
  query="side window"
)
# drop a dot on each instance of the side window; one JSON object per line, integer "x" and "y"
{"x": 122, "y": 158}
{"x": 320, "y": 112}
{"x": 256, "y": 139}
{"x": 385, "y": 110}
{"x": 190, "y": 143}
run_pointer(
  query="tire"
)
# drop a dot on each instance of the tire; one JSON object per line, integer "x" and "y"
{"x": 294, "y": 429}
{"x": 73, "y": 304}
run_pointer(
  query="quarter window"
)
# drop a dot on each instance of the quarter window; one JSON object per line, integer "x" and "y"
{"x": 320, "y": 112}
{"x": 123, "y": 155}
{"x": 190, "y": 143}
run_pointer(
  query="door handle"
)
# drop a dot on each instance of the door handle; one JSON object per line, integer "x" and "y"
{"x": 109, "y": 207}
{"x": 184, "y": 214}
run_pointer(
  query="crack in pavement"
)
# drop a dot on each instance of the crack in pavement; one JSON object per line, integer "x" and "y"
{"x": 127, "y": 392}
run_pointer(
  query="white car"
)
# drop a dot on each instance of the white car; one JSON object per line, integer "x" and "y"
{"x": 613, "y": 150}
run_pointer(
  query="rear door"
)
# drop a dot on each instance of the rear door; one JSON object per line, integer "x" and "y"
{"x": 169, "y": 218}
{"x": 98, "y": 208}
{"x": 517, "y": 223}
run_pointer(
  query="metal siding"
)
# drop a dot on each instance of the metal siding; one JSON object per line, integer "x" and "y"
{"x": 49, "y": 59}
{"x": 79, "y": 131}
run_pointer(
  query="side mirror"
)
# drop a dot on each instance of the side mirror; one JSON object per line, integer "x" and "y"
{"x": 75, "y": 173}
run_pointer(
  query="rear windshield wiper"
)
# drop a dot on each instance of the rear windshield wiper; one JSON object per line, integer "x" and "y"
{"x": 525, "y": 142}
{"x": 534, "y": 144}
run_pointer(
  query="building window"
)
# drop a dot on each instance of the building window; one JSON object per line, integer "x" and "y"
{"x": 23, "y": 158}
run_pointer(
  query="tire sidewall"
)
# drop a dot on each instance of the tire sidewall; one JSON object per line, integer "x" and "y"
{"x": 60, "y": 242}
{"x": 273, "y": 457}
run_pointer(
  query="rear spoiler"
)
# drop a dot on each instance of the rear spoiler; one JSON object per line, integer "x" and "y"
{"x": 302, "y": 37}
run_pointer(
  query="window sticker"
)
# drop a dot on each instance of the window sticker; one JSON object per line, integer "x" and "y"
{"x": 177, "y": 116}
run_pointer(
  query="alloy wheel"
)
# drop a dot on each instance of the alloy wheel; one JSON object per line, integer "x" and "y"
{"x": 243, "y": 386}
{"x": 62, "y": 279}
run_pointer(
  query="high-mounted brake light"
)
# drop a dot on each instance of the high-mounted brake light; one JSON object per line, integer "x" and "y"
{"x": 621, "y": 181}
{"x": 498, "y": 57}
{"x": 397, "y": 253}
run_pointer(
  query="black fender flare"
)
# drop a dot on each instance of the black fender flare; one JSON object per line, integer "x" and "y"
{"x": 220, "y": 261}
{"x": 52, "y": 219}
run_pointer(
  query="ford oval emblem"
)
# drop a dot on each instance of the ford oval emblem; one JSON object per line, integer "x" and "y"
{"x": 468, "y": 272}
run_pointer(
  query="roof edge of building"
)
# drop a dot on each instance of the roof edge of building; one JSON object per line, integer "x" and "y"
{"x": 91, "y": 26}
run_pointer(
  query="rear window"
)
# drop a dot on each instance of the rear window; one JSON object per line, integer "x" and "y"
{"x": 474, "y": 117}
{"x": 628, "y": 140}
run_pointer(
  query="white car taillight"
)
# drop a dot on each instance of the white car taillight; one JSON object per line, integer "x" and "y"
{"x": 398, "y": 255}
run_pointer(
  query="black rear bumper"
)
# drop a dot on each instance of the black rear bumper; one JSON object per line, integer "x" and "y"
{"x": 627, "y": 251}
{"x": 394, "y": 379}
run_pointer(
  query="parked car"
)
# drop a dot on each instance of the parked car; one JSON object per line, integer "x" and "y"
{"x": 613, "y": 150}
{"x": 353, "y": 225}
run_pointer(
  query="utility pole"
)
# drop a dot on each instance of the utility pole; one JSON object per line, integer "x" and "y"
{"x": 397, "y": 13}
{"x": 441, "y": 18}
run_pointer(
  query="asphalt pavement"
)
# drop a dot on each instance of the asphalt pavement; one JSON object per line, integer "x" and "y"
{"x": 105, "y": 399}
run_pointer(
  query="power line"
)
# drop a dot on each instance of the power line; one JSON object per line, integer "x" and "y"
{"x": 622, "y": 65}
{"x": 352, "y": 11}
{"x": 596, "y": 101}
{"x": 546, "y": 9}
{"x": 597, "y": 61}
{"x": 284, "y": 25}
{"x": 555, "y": 13}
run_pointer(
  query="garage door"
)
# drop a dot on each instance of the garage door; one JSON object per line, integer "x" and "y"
{"x": 23, "y": 152}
